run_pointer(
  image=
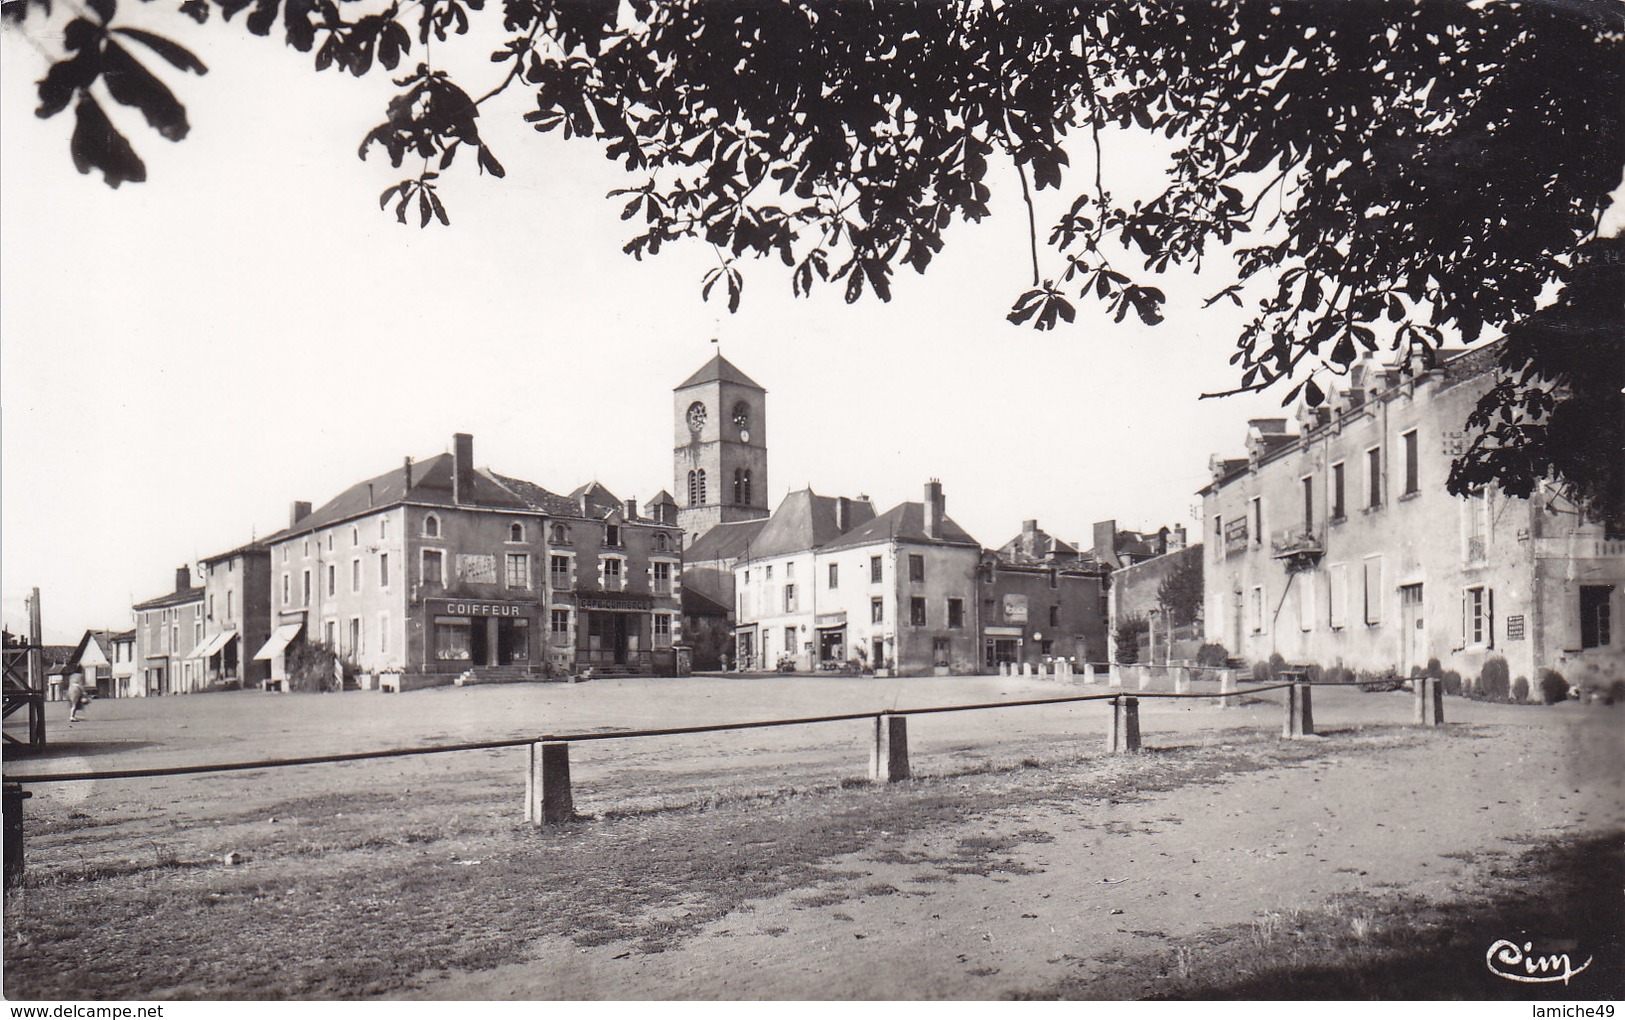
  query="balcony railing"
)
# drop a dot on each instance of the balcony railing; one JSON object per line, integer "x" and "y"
{"x": 1300, "y": 547}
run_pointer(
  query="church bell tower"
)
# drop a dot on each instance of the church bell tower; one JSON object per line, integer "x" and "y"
{"x": 719, "y": 457}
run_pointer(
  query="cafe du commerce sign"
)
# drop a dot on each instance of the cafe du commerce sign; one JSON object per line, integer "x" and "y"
{"x": 466, "y": 607}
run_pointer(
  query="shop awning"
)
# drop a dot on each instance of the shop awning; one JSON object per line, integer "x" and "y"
{"x": 213, "y": 645}
{"x": 279, "y": 641}
{"x": 197, "y": 652}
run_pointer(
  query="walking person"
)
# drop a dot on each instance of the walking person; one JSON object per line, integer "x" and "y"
{"x": 77, "y": 698}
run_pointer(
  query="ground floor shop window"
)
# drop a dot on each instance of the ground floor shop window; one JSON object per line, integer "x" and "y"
{"x": 453, "y": 640}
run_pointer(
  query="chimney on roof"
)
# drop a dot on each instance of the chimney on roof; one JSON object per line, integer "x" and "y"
{"x": 935, "y": 508}
{"x": 632, "y": 509}
{"x": 581, "y": 501}
{"x": 462, "y": 467}
{"x": 1106, "y": 543}
{"x": 406, "y": 474}
{"x": 843, "y": 514}
{"x": 183, "y": 578}
{"x": 298, "y": 511}
{"x": 1177, "y": 538}
{"x": 1029, "y": 529}
{"x": 371, "y": 496}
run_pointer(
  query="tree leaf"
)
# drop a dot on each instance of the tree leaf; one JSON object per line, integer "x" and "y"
{"x": 97, "y": 145}
{"x": 133, "y": 85}
{"x": 177, "y": 55}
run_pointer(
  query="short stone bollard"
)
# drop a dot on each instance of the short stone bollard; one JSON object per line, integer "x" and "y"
{"x": 1227, "y": 687}
{"x": 888, "y": 759}
{"x": 1145, "y": 676}
{"x": 1123, "y": 730}
{"x": 1182, "y": 679}
{"x": 1300, "y": 716}
{"x": 1114, "y": 675}
{"x": 548, "y": 800}
{"x": 1429, "y": 701}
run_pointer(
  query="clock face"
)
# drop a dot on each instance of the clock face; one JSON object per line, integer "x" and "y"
{"x": 696, "y": 416}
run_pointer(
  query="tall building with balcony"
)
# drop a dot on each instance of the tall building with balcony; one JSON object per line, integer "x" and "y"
{"x": 1338, "y": 544}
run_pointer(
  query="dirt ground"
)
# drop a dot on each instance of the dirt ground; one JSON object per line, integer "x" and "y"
{"x": 1013, "y": 895}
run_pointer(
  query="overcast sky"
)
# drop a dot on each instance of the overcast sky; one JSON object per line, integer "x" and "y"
{"x": 183, "y": 358}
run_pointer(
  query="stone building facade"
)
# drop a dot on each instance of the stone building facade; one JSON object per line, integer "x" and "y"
{"x": 1339, "y": 544}
{"x": 719, "y": 459}
{"x": 236, "y": 616}
{"x": 439, "y": 567}
{"x": 167, "y": 629}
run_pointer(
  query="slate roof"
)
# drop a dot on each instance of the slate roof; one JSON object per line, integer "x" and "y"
{"x": 174, "y": 598}
{"x": 806, "y": 520}
{"x": 600, "y": 501}
{"x": 725, "y": 541}
{"x": 545, "y": 500}
{"x": 257, "y": 546}
{"x": 718, "y": 369}
{"x": 698, "y": 603}
{"x": 1043, "y": 546}
{"x": 905, "y": 521}
{"x": 431, "y": 484}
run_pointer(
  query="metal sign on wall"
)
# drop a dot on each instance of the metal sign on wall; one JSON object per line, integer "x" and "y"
{"x": 621, "y": 603}
{"x": 1235, "y": 535}
{"x": 477, "y": 607}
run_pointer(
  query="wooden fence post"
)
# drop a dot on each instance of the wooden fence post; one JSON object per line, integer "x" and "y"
{"x": 1300, "y": 716}
{"x": 548, "y": 800}
{"x": 1429, "y": 701}
{"x": 13, "y": 796}
{"x": 888, "y": 758}
{"x": 1123, "y": 731}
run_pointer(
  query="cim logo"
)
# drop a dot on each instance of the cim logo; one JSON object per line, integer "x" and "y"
{"x": 1508, "y": 960}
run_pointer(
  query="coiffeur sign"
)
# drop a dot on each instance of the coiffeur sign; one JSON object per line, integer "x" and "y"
{"x": 463, "y": 607}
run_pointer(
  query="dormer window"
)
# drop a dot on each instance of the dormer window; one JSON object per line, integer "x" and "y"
{"x": 431, "y": 526}
{"x": 516, "y": 532}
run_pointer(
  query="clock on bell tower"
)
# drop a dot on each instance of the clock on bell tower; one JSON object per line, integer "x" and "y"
{"x": 719, "y": 456}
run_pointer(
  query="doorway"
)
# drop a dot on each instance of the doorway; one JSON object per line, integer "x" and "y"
{"x": 830, "y": 643}
{"x": 513, "y": 641}
{"x": 607, "y": 637}
{"x": 1412, "y": 632}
